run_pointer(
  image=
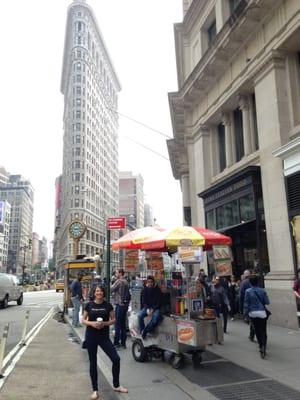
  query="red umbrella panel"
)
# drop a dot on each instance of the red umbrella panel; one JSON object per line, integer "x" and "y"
{"x": 185, "y": 236}
{"x": 134, "y": 239}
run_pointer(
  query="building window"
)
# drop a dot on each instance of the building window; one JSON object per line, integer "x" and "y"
{"x": 238, "y": 133}
{"x": 211, "y": 219}
{"x": 211, "y": 32}
{"x": 233, "y": 5}
{"x": 221, "y": 145}
{"x": 247, "y": 209}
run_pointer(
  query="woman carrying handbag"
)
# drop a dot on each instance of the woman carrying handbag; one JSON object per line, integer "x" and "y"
{"x": 255, "y": 302}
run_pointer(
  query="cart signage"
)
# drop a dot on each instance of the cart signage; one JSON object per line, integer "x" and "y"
{"x": 222, "y": 260}
{"x": 116, "y": 223}
{"x": 190, "y": 254}
{"x": 131, "y": 260}
{"x": 221, "y": 252}
{"x": 186, "y": 333}
{"x": 155, "y": 261}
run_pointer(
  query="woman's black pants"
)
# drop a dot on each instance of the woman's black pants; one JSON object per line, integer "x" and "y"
{"x": 260, "y": 327}
{"x": 109, "y": 349}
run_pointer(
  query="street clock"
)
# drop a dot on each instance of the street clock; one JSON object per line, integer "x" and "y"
{"x": 77, "y": 229}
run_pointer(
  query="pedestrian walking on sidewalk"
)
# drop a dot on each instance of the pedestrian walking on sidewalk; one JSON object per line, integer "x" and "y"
{"x": 122, "y": 297}
{"x": 220, "y": 301}
{"x": 77, "y": 298}
{"x": 245, "y": 284}
{"x": 255, "y": 302}
{"x": 233, "y": 291}
{"x": 296, "y": 289}
{"x": 98, "y": 316}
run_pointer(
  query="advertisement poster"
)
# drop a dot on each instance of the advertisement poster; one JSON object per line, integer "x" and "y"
{"x": 222, "y": 252}
{"x": 186, "y": 333}
{"x": 154, "y": 260}
{"x": 223, "y": 267}
{"x": 190, "y": 254}
{"x": 131, "y": 260}
{"x": 155, "y": 264}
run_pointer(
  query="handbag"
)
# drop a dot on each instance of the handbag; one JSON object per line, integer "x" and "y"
{"x": 268, "y": 312}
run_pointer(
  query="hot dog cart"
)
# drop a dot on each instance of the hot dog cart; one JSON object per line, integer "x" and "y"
{"x": 72, "y": 268}
{"x": 187, "y": 324}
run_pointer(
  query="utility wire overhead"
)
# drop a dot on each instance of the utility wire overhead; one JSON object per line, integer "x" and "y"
{"x": 140, "y": 123}
{"x": 148, "y": 148}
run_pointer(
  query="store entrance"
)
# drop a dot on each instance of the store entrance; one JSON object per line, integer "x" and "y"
{"x": 249, "y": 247}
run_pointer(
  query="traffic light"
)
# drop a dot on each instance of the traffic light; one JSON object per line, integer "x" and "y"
{"x": 29, "y": 243}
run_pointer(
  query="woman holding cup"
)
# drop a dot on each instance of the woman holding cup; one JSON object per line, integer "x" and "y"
{"x": 98, "y": 316}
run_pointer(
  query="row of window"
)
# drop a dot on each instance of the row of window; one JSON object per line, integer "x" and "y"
{"x": 238, "y": 133}
{"x": 232, "y": 213}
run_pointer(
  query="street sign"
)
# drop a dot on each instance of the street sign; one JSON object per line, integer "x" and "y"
{"x": 116, "y": 223}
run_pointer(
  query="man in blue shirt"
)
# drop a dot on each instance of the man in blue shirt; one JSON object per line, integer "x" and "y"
{"x": 245, "y": 284}
{"x": 77, "y": 298}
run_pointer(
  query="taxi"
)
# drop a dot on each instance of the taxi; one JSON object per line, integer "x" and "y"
{"x": 59, "y": 285}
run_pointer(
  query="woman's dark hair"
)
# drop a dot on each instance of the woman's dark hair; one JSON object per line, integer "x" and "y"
{"x": 254, "y": 280}
{"x": 150, "y": 278}
{"x": 98, "y": 287}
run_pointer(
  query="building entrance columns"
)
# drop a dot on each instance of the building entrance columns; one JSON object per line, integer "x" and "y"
{"x": 244, "y": 105}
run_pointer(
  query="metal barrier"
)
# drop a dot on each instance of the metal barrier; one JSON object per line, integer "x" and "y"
{"x": 23, "y": 342}
{"x": 2, "y": 347}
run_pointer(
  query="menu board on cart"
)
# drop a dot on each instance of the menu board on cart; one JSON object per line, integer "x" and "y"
{"x": 186, "y": 332}
{"x": 131, "y": 261}
{"x": 190, "y": 254}
{"x": 222, "y": 259}
{"x": 155, "y": 261}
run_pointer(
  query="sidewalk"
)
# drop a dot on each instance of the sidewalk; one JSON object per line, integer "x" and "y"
{"x": 283, "y": 352}
{"x": 52, "y": 367}
{"x": 153, "y": 379}
{"x": 150, "y": 380}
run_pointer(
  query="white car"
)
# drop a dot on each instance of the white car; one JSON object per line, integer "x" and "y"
{"x": 10, "y": 290}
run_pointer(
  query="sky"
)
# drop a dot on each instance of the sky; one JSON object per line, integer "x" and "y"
{"x": 140, "y": 40}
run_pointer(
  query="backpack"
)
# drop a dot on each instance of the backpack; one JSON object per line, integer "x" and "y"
{"x": 125, "y": 295}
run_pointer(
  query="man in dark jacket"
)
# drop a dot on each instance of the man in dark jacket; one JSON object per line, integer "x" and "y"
{"x": 244, "y": 286}
{"x": 77, "y": 298}
{"x": 220, "y": 301}
{"x": 150, "y": 306}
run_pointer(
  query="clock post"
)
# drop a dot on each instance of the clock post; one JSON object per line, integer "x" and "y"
{"x": 76, "y": 230}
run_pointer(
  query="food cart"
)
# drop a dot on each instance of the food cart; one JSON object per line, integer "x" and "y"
{"x": 187, "y": 326}
{"x": 72, "y": 268}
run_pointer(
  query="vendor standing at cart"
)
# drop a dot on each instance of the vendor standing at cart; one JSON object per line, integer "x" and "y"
{"x": 150, "y": 306}
{"x": 220, "y": 301}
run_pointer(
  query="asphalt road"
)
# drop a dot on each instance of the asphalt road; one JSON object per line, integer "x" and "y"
{"x": 38, "y": 303}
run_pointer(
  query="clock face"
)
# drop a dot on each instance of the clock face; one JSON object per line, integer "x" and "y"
{"x": 76, "y": 229}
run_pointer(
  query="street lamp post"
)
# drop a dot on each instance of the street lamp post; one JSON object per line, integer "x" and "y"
{"x": 24, "y": 248}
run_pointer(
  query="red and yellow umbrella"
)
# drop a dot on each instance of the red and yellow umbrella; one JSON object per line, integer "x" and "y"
{"x": 185, "y": 236}
{"x": 134, "y": 239}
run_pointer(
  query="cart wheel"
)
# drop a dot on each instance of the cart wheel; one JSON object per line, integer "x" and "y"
{"x": 177, "y": 361}
{"x": 196, "y": 359}
{"x": 139, "y": 352}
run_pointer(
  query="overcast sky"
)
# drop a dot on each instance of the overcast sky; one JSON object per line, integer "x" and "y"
{"x": 139, "y": 37}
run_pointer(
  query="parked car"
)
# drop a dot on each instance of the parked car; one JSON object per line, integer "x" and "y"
{"x": 10, "y": 290}
{"x": 59, "y": 285}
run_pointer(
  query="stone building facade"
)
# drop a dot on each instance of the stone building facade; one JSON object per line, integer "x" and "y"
{"x": 235, "y": 117}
